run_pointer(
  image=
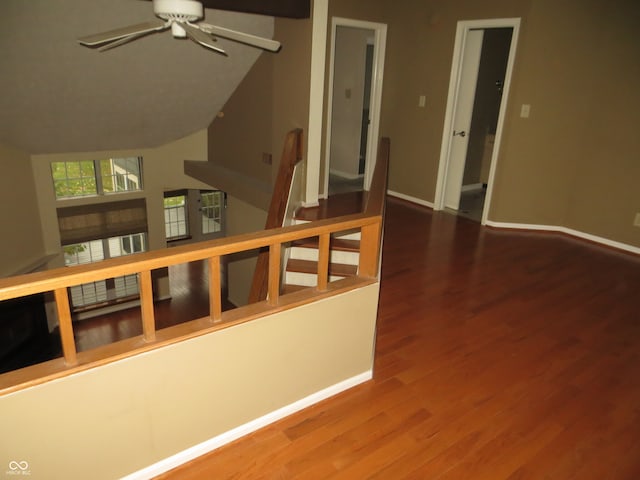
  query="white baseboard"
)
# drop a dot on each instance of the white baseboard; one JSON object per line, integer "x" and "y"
{"x": 567, "y": 231}
{"x": 531, "y": 226}
{"x": 310, "y": 204}
{"x": 409, "y": 198}
{"x": 471, "y": 187}
{"x": 345, "y": 175}
{"x": 242, "y": 430}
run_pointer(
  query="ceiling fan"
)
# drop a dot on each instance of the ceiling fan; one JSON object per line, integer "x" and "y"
{"x": 182, "y": 17}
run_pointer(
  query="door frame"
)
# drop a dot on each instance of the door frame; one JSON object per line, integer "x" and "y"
{"x": 462, "y": 30}
{"x": 375, "y": 104}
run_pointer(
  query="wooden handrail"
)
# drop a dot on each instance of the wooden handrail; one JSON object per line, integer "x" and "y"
{"x": 58, "y": 280}
{"x": 49, "y": 280}
{"x": 142, "y": 264}
{"x": 291, "y": 156}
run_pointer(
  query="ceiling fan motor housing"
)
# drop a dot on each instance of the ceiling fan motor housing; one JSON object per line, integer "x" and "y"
{"x": 177, "y": 12}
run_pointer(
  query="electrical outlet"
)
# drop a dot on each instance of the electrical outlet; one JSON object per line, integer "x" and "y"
{"x": 266, "y": 158}
{"x": 636, "y": 221}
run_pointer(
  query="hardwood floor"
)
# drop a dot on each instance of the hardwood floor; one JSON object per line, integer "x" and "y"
{"x": 500, "y": 355}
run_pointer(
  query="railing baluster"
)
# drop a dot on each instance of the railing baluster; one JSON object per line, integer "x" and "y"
{"x": 66, "y": 327}
{"x": 215, "y": 287}
{"x": 146, "y": 306}
{"x": 323, "y": 261}
{"x": 274, "y": 273}
{"x": 58, "y": 280}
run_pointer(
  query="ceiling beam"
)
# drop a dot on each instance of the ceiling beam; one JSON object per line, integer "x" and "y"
{"x": 273, "y": 8}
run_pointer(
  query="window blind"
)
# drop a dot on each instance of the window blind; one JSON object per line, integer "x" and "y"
{"x": 82, "y": 223}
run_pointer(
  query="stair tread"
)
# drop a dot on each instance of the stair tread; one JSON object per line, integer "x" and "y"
{"x": 309, "y": 266}
{"x": 290, "y": 288}
{"x": 341, "y": 244}
{"x": 334, "y": 206}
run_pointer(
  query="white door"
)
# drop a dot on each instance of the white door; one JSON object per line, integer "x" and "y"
{"x": 453, "y": 148}
{"x": 462, "y": 117}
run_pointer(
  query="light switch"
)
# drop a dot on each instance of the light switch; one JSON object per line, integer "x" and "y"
{"x": 422, "y": 101}
{"x": 347, "y": 93}
{"x": 524, "y": 110}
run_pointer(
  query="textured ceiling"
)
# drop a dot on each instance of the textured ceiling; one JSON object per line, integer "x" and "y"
{"x": 58, "y": 96}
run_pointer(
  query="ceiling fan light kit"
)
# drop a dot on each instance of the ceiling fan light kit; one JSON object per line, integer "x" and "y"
{"x": 177, "y": 12}
{"x": 182, "y": 17}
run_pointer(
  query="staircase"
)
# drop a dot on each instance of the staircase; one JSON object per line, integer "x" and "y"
{"x": 301, "y": 270}
{"x": 343, "y": 254}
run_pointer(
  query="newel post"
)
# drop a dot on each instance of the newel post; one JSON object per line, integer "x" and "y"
{"x": 369, "y": 249}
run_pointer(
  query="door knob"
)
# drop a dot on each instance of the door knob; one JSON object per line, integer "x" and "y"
{"x": 462, "y": 133}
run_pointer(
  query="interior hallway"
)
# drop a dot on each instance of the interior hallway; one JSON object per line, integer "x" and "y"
{"x": 500, "y": 355}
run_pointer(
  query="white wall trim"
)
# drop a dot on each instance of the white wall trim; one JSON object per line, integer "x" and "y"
{"x": 462, "y": 28}
{"x": 347, "y": 175}
{"x": 568, "y": 231}
{"x": 249, "y": 427}
{"x": 375, "y": 104}
{"x": 316, "y": 98}
{"x": 534, "y": 227}
{"x": 470, "y": 187}
{"x": 409, "y": 198}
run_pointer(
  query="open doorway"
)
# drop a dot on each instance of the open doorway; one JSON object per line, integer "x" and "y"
{"x": 355, "y": 93}
{"x": 480, "y": 78}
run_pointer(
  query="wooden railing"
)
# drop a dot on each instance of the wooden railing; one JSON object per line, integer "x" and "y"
{"x": 59, "y": 280}
{"x": 291, "y": 156}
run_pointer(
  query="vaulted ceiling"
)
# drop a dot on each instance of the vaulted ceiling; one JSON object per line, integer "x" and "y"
{"x": 58, "y": 96}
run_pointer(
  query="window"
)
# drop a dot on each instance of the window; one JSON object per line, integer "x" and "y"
{"x": 211, "y": 206}
{"x": 96, "y": 177}
{"x": 175, "y": 215}
{"x": 74, "y": 179}
{"x": 120, "y": 174}
{"x": 111, "y": 289}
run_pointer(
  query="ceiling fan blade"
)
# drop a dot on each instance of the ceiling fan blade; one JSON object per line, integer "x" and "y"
{"x": 247, "y": 38}
{"x": 200, "y": 37}
{"x": 117, "y": 34}
{"x": 122, "y": 41}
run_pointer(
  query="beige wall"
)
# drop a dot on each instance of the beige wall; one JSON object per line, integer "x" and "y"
{"x": 122, "y": 417}
{"x": 271, "y": 100}
{"x": 574, "y": 161}
{"x": 420, "y": 39}
{"x": 242, "y": 217}
{"x": 21, "y": 242}
{"x": 241, "y": 133}
{"x": 291, "y": 82}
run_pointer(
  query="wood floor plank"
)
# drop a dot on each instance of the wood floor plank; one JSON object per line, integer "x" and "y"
{"x": 499, "y": 355}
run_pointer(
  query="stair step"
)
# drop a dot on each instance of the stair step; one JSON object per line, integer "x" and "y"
{"x": 307, "y": 279}
{"x": 353, "y": 234}
{"x": 335, "y": 256}
{"x": 341, "y": 244}
{"x": 334, "y": 206}
{"x": 340, "y": 250}
{"x": 290, "y": 288}
{"x": 308, "y": 266}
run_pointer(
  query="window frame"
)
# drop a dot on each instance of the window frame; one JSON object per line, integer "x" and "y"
{"x": 97, "y": 178}
{"x": 204, "y": 209}
{"x": 106, "y": 291}
{"x": 185, "y": 207}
